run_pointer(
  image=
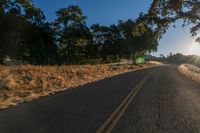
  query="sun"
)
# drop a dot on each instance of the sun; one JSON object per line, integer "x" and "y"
{"x": 194, "y": 49}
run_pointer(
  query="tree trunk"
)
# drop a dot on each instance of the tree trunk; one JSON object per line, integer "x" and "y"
{"x": 1, "y": 61}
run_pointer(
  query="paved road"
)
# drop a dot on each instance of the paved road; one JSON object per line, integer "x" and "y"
{"x": 154, "y": 100}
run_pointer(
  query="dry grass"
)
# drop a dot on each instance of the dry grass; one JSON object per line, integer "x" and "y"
{"x": 26, "y": 82}
{"x": 190, "y": 71}
{"x": 155, "y": 63}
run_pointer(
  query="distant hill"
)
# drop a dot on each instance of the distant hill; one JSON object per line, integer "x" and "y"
{"x": 151, "y": 57}
{"x": 180, "y": 59}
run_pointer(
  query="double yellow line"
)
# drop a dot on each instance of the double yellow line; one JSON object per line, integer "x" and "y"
{"x": 112, "y": 120}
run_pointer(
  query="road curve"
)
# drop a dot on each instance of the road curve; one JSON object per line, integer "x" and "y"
{"x": 164, "y": 101}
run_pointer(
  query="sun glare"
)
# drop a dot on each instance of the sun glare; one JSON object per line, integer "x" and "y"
{"x": 194, "y": 49}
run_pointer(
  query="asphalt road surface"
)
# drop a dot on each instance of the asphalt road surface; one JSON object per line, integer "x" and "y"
{"x": 154, "y": 100}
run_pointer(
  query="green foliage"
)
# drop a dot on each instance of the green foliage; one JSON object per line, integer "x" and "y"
{"x": 39, "y": 46}
{"x": 74, "y": 36}
{"x": 24, "y": 34}
{"x": 27, "y": 37}
{"x": 162, "y": 13}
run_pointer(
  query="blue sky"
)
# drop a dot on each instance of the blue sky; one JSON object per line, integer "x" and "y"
{"x": 108, "y": 12}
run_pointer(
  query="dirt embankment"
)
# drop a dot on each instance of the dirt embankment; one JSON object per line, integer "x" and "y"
{"x": 190, "y": 71}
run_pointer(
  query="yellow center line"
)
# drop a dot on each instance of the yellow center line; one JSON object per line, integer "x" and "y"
{"x": 112, "y": 120}
{"x": 104, "y": 125}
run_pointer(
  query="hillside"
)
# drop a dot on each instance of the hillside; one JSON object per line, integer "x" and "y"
{"x": 182, "y": 59}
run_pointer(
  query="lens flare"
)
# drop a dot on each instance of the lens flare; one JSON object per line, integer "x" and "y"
{"x": 194, "y": 49}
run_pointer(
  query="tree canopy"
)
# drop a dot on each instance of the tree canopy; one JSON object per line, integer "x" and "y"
{"x": 26, "y": 36}
{"x": 163, "y": 13}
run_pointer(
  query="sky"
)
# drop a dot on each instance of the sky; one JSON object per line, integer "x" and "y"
{"x": 106, "y": 12}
